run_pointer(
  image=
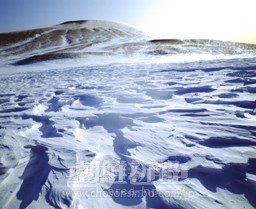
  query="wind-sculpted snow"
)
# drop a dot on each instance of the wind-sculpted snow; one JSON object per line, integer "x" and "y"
{"x": 147, "y": 134}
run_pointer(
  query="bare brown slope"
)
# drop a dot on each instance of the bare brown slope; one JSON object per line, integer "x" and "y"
{"x": 14, "y": 37}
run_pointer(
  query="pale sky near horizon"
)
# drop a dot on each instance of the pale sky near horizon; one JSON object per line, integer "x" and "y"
{"x": 231, "y": 20}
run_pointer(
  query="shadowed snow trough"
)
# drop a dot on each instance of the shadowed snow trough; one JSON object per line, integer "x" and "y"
{"x": 95, "y": 114}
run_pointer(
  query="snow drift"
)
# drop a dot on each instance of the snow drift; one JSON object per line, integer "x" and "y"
{"x": 95, "y": 114}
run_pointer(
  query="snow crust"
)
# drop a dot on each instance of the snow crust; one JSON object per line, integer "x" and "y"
{"x": 84, "y": 131}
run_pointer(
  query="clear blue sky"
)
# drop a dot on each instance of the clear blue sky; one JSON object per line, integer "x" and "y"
{"x": 232, "y": 20}
{"x": 26, "y": 14}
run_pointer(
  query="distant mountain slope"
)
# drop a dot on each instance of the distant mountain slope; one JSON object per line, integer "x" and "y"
{"x": 67, "y": 40}
{"x": 83, "y": 38}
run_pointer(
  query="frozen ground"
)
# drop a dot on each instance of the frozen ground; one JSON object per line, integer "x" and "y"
{"x": 146, "y": 129}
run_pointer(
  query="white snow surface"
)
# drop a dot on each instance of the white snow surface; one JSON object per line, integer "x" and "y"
{"x": 173, "y": 121}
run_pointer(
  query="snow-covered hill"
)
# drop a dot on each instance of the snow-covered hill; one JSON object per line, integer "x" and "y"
{"x": 94, "y": 114}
